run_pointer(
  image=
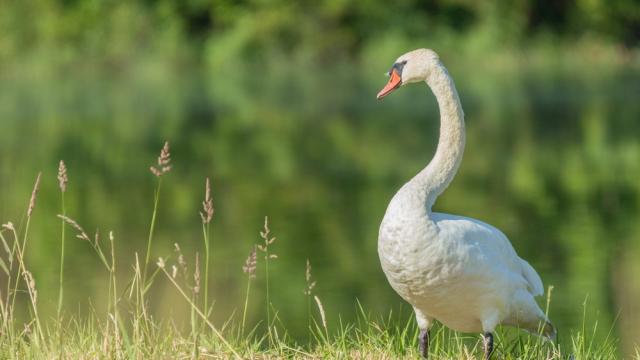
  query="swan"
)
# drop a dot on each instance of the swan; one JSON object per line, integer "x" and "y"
{"x": 457, "y": 270}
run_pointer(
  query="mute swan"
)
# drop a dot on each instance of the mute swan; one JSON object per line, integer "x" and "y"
{"x": 457, "y": 270}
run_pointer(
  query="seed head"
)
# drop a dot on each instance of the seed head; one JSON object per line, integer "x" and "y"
{"x": 164, "y": 161}
{"x": 62, "y": 176}
{"x": 9, "y": 226}
{"x": 27, "y": 329}
{"x": 265, "y": 234}
{"x": 196, "y": 276}
{"x": 82, "y": 235}
{"x": 34, "y": 193}
{"x": 207, "y": 205}
{"x": 181, "y": 262}
{"x": 323, "y": 317}
{"x": 31, "y": 284}
{"x": 249, "y": 267}
{"x": 310, "y": 284}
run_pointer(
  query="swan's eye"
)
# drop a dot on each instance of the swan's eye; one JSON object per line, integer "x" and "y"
{"x": 397, "y": 67}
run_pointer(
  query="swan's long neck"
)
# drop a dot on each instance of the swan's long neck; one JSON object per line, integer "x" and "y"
{"x": 434, "y": 179}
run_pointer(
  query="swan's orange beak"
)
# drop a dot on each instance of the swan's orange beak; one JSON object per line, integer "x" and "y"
{"x": 394, "y": 82}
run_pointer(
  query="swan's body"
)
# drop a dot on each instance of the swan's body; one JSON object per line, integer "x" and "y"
{"x": 457, "y": 270}
{"x": 460, "y": 271}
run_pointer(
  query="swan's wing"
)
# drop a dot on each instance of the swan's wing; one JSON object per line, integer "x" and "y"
{"x": 495, "y": 248}
{"x": 535, "y": 283}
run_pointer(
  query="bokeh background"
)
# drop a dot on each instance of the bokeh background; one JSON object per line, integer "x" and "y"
{"x": 275, "y": 101}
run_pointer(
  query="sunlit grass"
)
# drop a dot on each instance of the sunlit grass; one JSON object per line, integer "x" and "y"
{"x": 369, "y": 337}
{"x": 127, "y": 330}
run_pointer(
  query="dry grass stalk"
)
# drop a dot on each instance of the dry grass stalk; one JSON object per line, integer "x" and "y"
{"x": 183, "y": 270}
{"x": 164, "y": 161}
{"x": 34, "y": 193}
{"x": 82, "y": 235}
{"x": 206, "y": 215}
{"x": 117, "y": 353}
{"x": 249, "y": 268}
{"x": 95, "y": 243}
{"x": 250, "y": 264}
{"x": 196, "y": 276}
{"x": 28, "y": 277}
{"x": 161, "y": 264}
{"x": 62, "y": 176}
{"x": 31, "y": 285}
{"x": 307, "y": 275}
{"x": 9, "y": 226}
{"x": 265, "y": 234}
{"x": 181, "y": 262}
{"x": 207, "y": 205}
{"x": 322, "y": 314}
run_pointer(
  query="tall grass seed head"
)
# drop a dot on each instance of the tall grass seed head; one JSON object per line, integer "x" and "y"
{"x": 196, "y": 276}
{"x": 62, "y": 176}
{"x": 34, "y": 194}
{"x": 307, "y": 275}
{"x": 164, "y": 161}
{"x": 268, "y": 240}
{"x": 250, "y": 264}
{"x": 207, "y": 205}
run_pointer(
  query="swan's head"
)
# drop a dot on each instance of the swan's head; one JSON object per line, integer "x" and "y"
{"x": 414, "y": 66}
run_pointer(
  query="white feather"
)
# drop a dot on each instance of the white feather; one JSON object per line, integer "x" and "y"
{"x": 457, "y": 270}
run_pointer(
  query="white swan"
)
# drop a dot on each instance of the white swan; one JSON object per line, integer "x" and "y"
{"x": 457, "y": 270}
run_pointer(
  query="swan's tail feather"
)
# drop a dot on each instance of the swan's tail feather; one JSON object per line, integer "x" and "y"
{"x": 549, "y": 331}
{"x": 533, "y": 279}
{"x": 544, "y": 328}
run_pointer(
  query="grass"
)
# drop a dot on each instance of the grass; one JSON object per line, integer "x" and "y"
{"x": 127, "y": 330}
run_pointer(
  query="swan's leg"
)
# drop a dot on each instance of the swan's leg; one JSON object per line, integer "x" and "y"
{"x": 487, "y": 340}
{"x": 423, "y": 346}
{"x": 424, "y": 323}
{"x": 489, "y": 323}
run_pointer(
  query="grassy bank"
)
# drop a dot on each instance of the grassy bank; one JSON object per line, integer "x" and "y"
{"x": 97, "y": 338}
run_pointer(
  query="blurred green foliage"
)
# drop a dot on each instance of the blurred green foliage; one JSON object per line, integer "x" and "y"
{"x": 275, "y": 101}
